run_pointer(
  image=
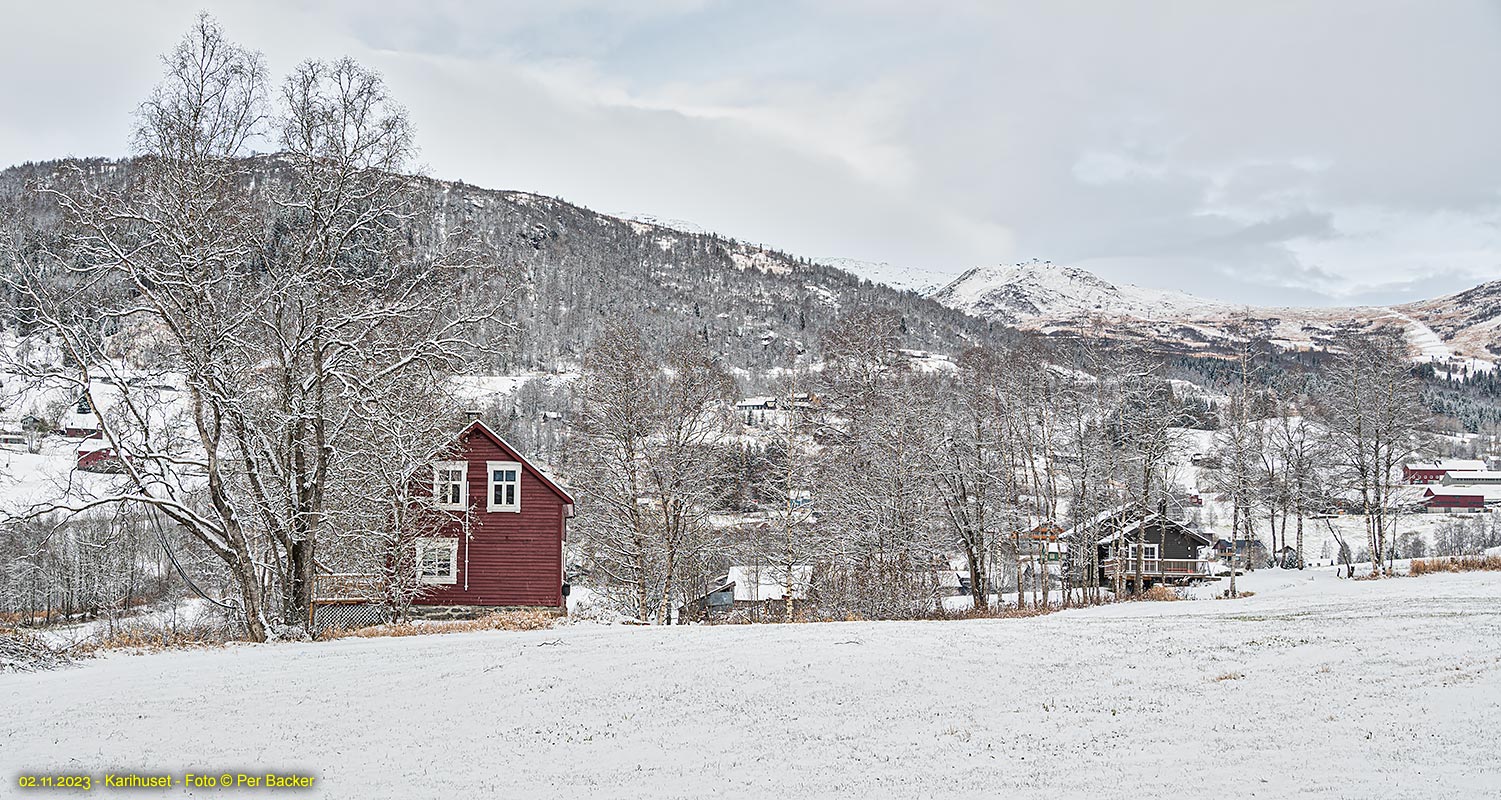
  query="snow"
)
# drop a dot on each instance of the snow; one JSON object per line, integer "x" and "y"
{"x": 679, "y": 225}
{"x": 1315, "y": 687}
{"x": 488, "y": 387}
{"x": 750, "y": 259}
{"x": 1041, "y": 289}
{"x": 1450, "y": 465}
{"x": 754, "y": 584}
{"x": 1054, "y": 298}
{"x": 1432, "y": 348}
{"x": 903, "y": 278}
{"x": 186, "y": 611}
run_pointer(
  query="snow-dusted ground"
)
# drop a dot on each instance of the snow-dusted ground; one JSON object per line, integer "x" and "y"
{"x": 1315, "y": 687}
{"x": 51, "y": 476}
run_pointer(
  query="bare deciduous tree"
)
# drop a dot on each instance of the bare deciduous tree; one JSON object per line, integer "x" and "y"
{"x": 1374, "y": 422}
{"x": 309, "y": 337}
{"x": 646, "y": 432}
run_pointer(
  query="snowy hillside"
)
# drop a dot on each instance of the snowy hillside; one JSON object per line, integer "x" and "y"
{"x": 679, "y": 225}
{"x": 1466, "y": 323}
{"x": 906, "y": 278}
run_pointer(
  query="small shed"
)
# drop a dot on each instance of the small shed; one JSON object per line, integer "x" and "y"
{"x": 760, "y": 589}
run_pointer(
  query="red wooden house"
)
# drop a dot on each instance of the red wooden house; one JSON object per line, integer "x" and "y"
{"x": 503, "y": 547}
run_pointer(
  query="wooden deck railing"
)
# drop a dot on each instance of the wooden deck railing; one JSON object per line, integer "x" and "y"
{"x": 1159, "y": 566}
{"x": 344, "y": 587}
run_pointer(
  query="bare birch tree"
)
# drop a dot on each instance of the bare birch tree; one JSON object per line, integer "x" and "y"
{"x": 299, "y": 318}
{"x": 1374, "y": 420}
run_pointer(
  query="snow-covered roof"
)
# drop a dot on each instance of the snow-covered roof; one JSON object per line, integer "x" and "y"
{"x": 1448, "y": 465}
{"x": 1473, "y": 476}
{"x": 755, "y": 583}
{"x": 1096, "y": 519}
{"x": 1150, "y": 519}
{"x": 1456, "y": 491}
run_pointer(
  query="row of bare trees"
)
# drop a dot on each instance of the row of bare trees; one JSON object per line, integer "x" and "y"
{"x": 881, "y": 468}
{"x": 1293, "y": 447}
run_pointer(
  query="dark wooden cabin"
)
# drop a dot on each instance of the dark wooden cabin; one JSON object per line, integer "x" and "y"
{"x": 1172, "y": 553}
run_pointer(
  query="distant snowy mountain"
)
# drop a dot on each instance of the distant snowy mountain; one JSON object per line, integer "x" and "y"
{"x": 1459, "y": 332}
{"x": 1043, "y": 290}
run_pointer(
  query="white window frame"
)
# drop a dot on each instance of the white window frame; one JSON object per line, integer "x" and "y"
{"x": 490, "y": 468}
{"x": 438, "y": 485}
{"x": 450, "y": 544}
{"x": 1152, "y": 549}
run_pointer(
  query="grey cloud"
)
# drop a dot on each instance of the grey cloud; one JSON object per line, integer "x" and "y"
{"x": 1290, "y": 152}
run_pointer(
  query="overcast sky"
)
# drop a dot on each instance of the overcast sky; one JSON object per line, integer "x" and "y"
{"x": 1261, "y": 152}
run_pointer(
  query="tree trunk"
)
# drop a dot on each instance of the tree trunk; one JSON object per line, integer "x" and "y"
{"x": 977, "y": 588}
{"x": 1020, "y": 589}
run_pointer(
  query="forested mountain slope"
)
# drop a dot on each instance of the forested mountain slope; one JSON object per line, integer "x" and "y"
{"x": 568, "y": 273}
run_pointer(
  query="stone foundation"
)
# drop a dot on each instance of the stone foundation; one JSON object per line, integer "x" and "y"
{"x": 416, "y": 611}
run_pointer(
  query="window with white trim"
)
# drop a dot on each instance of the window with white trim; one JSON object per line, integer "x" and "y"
{"x": 438, "y": 559}
{"x": 1150, "y": 551}
{"x": 505, "y": 486}
{"x": 451, "y": 485}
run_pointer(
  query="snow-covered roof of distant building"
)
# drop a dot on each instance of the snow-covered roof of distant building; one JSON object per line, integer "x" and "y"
{"x": 753, "y": 583}
{"x": 1449, "y": 465}
{"x": 1456, "y": 491}
{"x": 1462, "y": 476}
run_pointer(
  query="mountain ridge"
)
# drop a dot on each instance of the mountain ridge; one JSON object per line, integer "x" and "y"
{"x": 1458, "y": 331}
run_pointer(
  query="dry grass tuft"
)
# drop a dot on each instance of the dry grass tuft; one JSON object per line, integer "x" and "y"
{"x": 992, "y": 612}
{"x": 1230, "y": 676}
{"x": 1425, "y": 566}
{"x": 1239, "y": 593}
{"x": 1007, "y": 611}
{"x": 499, "y": 621}
{"x": 155, "y": 635}
{"x": 1160, "y": 593}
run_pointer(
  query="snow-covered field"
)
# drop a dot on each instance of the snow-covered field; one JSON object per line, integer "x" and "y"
{"x": 1315, "y": 687}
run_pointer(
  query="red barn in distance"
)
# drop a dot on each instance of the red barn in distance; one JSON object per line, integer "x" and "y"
{"x": 1434, "y": 471}
{"x": 95, "y": 455}
{"x": 1453, "y": 499}
{"x": 503, "y": 547}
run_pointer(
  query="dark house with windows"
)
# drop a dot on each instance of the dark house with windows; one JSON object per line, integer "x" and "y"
{"x": 503, "y": 547}
{"x": 1170, "y": 552}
